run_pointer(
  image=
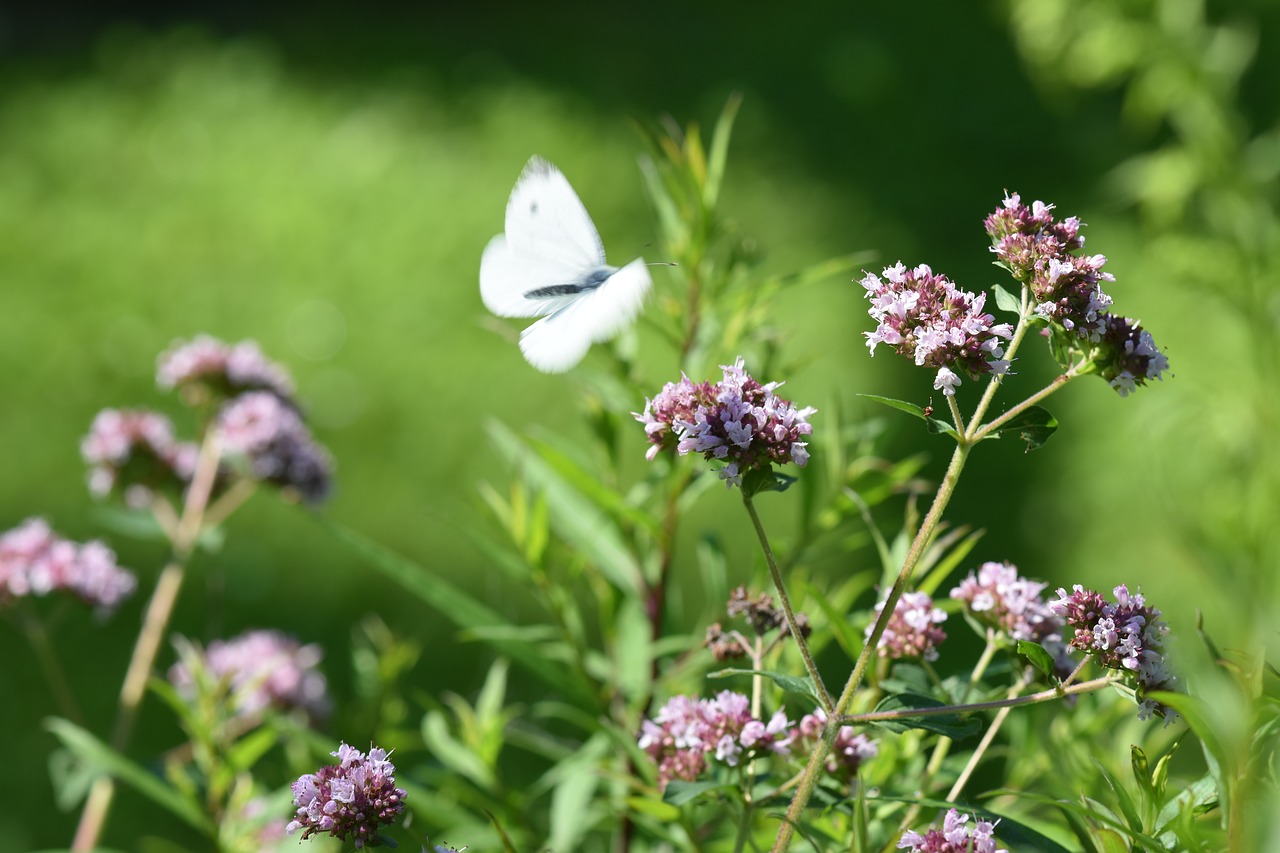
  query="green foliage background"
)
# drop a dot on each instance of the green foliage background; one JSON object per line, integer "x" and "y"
{"x": 325, "y": 184}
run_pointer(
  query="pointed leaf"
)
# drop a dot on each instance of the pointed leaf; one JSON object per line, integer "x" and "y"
{"x": 93, "y": 751}
{"x": 797, "y": 685}
{"x": 679, "y": 792}
{"x": 757, "y": 480}
{"x": 1038, "y": 655}
{"x": 900, "y": 405}
{"x": 1035, "y": 426}
{"x": 1006, "y": 301}
{"x": 949, "y": 725}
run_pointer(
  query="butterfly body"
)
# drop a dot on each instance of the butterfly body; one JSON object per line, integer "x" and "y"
{"x": 550, "y": 263}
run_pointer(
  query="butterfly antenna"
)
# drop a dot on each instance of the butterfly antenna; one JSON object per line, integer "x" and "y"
{"x": 662, "y": 264}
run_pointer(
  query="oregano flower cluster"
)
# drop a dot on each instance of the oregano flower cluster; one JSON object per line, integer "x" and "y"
{"x": 737, "y": 421}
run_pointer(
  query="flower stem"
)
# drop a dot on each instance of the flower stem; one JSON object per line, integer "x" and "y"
{"x": 49, "y": 663}
{"x": 154, "y": 624}
{"x": 1019, "y": 332}
{"x": 823, "y": 696}
{"x": 983, "y": 431}
{"x": 817, "y": 760}
{"x": 1030, "y": 699}
{"x": 982, "y": 747}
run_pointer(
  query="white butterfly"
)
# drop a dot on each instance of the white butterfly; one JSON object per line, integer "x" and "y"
{"x": 550, "y": 264}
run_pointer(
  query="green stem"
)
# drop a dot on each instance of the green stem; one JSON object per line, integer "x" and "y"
{"x": 817, "y": 760}
{"x": 981, "y": 750}
{"x": 985, "y": 430}
{"x": 1019, "y": 332}
{"x": 823, "y": 696}
{"x": 1030, "y": 699}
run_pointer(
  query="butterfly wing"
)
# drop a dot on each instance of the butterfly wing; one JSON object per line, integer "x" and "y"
{"x": 549, "y": 241}
{"x": 559, "y": 341}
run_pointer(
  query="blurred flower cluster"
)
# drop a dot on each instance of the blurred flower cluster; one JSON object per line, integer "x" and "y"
{"x": 763, "y": 617}
{"x": 259, "y": 670}
{"x": 849, "y": 751}
{"x": 34, "y": 561}
{"x": 235, "y": 389}
{"x": 687, "y": 731}
{"x": 737, "y": 421}
{"x": 912, "y": 631}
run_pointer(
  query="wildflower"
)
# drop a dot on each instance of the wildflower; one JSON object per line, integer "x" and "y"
{"x": 928, "y": 319}
{"x": 353, "y": 797}
{"x": 1127, "y": 636}
{"x": 850, "y": 750}
{"x": 134, "y": 449}
{"x": 737, "y": 421}
{"x": 1067, "y": 286}
{"x": 954, "y": 837}
{"x": 261, "y": 669}
{"x": 270, "y": 434}
{"x": 999, "y": 597}
{"x": 1127, "y": 355}
{"x": 912, "y": 631}
{"x": 206, "y": 366}
{"x": 724, "y": 645}
{"x": 35, "y": 562}
{"x": 687, "y": 731}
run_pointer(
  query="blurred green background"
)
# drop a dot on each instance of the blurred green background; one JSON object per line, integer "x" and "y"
{"x": 323, "y": 181}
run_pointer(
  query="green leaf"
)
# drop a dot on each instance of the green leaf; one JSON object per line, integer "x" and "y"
{"x": 664, "y": 812}
{"x": 93, "y": 751}
{"x": 757, "y": 480}
{"x": 1127, "y": 807}
{"x": 462, "y": 609}
{"x": 679, "y": 792}
{"x": 453, "y": 753}
{"x": 1038, "y": 655}
{"x": 583, "y": 525}
{"x": 1034, "y": 426}
{"x": 576, "y": 781}
{"x": 900, "y": 405}
{"x": 949, "y": 725}
{"x": 794, "y": 684}
{"x": 720, "y": 150}
{"x": 846, "y": 635}
{"x": 1006, "y": 301}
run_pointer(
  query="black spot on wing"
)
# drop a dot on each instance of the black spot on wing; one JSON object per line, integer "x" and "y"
{"x": 591, "y": 281}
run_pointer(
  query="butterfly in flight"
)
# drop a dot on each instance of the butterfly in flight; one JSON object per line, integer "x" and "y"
{"x": 550, "y": 264}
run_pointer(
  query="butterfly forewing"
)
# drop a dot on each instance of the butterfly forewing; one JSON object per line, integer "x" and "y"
{"x": 547, "y": 222}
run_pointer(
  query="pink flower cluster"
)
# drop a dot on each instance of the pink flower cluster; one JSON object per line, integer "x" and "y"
{"x": 849, "y": 751}
{"x": 224, "y": 369}
{"x": 913, "y": 630}
{"x": 997, "y": 595}
{"x": 35, "y": 562}
{"x": 737, "y": 421}
{"x": 687, "y": 731}
{"x": 261, "y": 669}
{"x": 270, "y": 435}
{"x": 353, "y": 797}
{"x": 134, "y": 449}
{"x": 1126, "y": 635}
{"x": 927, "y": 318}
{"x": 956, "y": 836}
{"x": 1067, "y": 286}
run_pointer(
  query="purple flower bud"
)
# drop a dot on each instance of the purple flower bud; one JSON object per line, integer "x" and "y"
{"x": 270, "y": 434}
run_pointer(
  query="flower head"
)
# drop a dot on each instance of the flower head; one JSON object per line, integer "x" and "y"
{"x": 956, "y": 836}
{"x": 35, "y": 562}
{"x": 931, "y": 321}
{"x": 997, "y": 596}
{"x": 1127, "y": 356}
{"x": 737, "y": 421}
{"x": 913, "y": 630}
{"x": 353, "y": 797}
{"x": 688, "y": 732}
{"x": 850, "y": 750}
{"x": 1125, "y": 635}
{"x": 270, "y": 434}
{"x": 134, "y": 450}
{"x": 261, "y": 669}
{"x": 205, "y": 366}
